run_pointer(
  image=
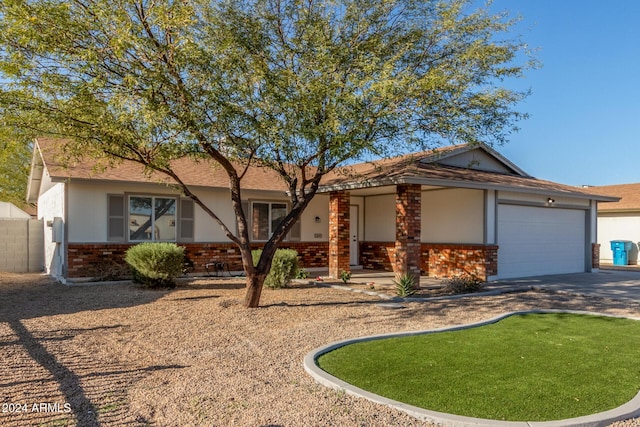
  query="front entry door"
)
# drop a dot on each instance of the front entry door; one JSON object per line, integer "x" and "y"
{"x": 353, "y": 235}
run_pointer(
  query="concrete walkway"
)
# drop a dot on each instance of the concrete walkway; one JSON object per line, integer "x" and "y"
{"x": 607, "y": 283}
{"x": 616, "y": 284}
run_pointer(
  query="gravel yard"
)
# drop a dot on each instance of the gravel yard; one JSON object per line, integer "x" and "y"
{"x": 118, "y": 355}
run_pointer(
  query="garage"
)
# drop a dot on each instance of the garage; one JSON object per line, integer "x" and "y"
{"x": 535, "y": 241}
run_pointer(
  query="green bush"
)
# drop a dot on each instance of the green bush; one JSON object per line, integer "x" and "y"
{"x": 155, "y": 264}
{"x": 463, "y": 284}
{"x": 405, "y": 285}
{"x": 284, "y": 267}
{"x": 345, "y": 276}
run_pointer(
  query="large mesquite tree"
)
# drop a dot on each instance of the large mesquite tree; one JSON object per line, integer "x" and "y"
{"x": 298, "y": 86}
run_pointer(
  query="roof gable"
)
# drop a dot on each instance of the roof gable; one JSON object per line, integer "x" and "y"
{"x": 476, "y": 157}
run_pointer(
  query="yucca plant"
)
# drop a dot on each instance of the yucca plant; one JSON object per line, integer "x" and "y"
{"x": 405, "y": 285}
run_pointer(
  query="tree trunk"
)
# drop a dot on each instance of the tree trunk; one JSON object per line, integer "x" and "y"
{"x": 254, "y": 290}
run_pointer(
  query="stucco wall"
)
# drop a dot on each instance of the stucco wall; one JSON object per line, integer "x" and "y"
{"x": 506, "y": 196}
{"x": 448, "y": 216}
{"x": 87, "y": 211}
{"x": 621, "y": 226}
{"x": 51, "y": 206}
{"x": 453, "y": 216}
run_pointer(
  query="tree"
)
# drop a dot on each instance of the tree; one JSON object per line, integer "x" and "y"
{"x": 15, "y": 159}
{"x": 298, "y": 86}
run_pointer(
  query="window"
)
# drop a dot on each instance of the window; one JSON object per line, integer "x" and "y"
{"x": 187, "y": 213}
{"x": 265, "y": 217}
{"x": 140, "y": 218}
{"x": 152, "y": 218}
{"x": 116, "y": 218}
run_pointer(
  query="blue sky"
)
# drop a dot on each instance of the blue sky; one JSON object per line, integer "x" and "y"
{"x": 584, "y": 125}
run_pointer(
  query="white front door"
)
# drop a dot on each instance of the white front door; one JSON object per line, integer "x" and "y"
{"x": 353, "y": 235}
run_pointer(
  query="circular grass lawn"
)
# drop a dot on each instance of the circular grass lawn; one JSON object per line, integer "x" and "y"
{"x": 527, "y": 367}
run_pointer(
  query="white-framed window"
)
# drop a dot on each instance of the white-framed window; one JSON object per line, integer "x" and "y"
{"x": 152, "y": 218}
{"x": 143, "y": 218}
{"x": 265, "y": 217}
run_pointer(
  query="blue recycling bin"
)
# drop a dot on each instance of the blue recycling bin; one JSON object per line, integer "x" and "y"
{"x": 621, "y": 250}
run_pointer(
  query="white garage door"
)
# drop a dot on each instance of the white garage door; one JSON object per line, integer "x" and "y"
{"x": 537, "y": 241}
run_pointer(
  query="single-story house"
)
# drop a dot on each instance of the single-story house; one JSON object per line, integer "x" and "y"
{"x": 619, "y": 220}
{"x": 459, "y": 209}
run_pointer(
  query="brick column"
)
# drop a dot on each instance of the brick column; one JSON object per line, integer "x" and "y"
{"x": 408, "y": 246}
{"x": 338, "y": 232}
{"x": 595, "y": 255}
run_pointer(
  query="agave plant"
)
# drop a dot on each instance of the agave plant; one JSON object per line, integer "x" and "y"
{"x": 405, "y": 285}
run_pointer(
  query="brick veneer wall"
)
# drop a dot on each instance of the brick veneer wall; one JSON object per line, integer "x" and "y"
{"x": 88, "y": 259}
{"x": 437, "y": 260}
{"x": 595, "y": 255}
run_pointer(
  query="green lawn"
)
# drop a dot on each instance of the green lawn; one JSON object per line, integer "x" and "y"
{"x": 533, "y": 367}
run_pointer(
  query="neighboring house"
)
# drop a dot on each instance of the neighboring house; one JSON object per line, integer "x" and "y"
{"x": 619, "y": 220}
{"x": 459, "y": 209}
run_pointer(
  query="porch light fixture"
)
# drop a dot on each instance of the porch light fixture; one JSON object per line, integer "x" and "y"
{"x": 317, "y": 219}
{"x": 550, "y": 201}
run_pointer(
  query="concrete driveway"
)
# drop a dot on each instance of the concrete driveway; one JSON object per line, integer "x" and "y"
{"x": 614, "y": 284}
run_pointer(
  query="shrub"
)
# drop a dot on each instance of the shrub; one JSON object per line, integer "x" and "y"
{"x": 405, "y": 285}
{"x": 345, "y": 276}
{"x": 156, "y": 265}
{"x": 109, "y": 269}
{"x": 302, "y": 274}
{"x": 463, "y": 284}
{"x": 284, "y": 267}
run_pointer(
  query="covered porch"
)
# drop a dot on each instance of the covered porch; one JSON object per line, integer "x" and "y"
{"x": 420, "y": 230}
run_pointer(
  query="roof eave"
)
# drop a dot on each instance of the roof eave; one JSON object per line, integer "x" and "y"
{"x": 36, "y": 170}
{"x": 462, "y": 184}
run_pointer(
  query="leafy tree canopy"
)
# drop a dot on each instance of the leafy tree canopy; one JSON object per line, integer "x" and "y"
{"x": 15, "y": 158}
{"x": 299, "y": 86}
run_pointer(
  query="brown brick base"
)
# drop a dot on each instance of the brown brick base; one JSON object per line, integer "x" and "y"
{"x": 91, "y": 259}
{"x": 437, "y": 260}
{"x": 595, "y": 255}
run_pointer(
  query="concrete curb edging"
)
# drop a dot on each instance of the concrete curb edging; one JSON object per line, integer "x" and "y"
{"x": 630, "y": 409}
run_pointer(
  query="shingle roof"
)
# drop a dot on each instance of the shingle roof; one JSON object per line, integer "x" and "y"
{"x": 202, "y": 173}
{"x": 629, "y": 197}
{"x": 412, "y": 169}
{"x": 415, "y": 168}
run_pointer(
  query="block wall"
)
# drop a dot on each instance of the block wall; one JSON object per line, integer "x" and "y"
{"x": 21, "y": 245}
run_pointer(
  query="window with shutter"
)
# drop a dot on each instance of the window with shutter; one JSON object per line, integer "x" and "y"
{"x": 116, "y": 217}
{"x": 187, "y": 213}
{"x": 136, "y": 218}
{"x": 295, "y": 235}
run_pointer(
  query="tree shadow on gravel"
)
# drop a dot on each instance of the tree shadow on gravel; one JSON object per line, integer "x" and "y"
{"x": 490, "y": 304}
{"x": 53, "y": 382}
